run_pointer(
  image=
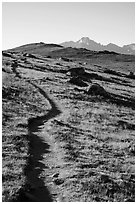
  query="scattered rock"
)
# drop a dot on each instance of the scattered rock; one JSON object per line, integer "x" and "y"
{"x": 126, "y": 125}
{"x": 55, "y": 175}
{"x": 131, "y": 75}
{"x": 58, "y": 64}
{"x": 76, "y": 71}
{"x": 58, "y": 181}
{"x": 96, "y": 89}
{"x": 29, "y": 55}
{"x": 22, "y": 125}
{"x": 77, "y": 81}
{"x": 65, "y": 59}
{"x": 105, "y": 178}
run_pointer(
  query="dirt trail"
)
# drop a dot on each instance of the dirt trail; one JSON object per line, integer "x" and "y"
{"x": 35, "y": 189}
{"x": 38, "y": 147}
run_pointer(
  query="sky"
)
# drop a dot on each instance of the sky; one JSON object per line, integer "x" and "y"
{"x": 56, "y": 22}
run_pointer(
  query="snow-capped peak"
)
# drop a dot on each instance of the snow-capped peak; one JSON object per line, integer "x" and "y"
{"x": 84, "y": 40}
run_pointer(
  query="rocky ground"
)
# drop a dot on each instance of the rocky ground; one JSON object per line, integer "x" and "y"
{"x": 68, "y": 135}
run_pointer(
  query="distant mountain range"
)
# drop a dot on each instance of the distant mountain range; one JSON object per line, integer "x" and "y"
{"x": 89, "y": 44}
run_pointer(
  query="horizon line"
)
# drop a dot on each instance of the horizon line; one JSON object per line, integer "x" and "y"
{"x": 27, "y": 43}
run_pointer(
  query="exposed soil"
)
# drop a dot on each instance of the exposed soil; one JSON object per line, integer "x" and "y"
{"x": 80, "y": 145}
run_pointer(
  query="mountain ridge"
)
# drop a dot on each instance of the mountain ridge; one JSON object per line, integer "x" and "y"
{"x": 86, "y": 42}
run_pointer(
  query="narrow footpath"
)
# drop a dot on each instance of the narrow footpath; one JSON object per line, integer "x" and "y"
{"x": 35, "y": 189}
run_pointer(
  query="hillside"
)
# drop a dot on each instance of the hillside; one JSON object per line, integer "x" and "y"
{"x": 68, "y": 125}
{"x": 83, "y": 55}
{"x": 37, "y": 48}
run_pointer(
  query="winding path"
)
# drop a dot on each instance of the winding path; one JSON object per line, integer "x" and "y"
{"x": 38, "y": 147}
{"x": 35, "y": 188}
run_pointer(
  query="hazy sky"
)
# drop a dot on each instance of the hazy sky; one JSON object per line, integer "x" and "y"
{"x": 58, "y": 22}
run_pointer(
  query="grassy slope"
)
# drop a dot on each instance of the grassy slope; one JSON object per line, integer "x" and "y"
{"x": 37, "y": 48}
{"x": 99, "y": 150}
{"x": 20, "y": 101}
{"x": 96, "y": 149}
{"x": 112, "y": 61}
{"x": 124, "y": 63}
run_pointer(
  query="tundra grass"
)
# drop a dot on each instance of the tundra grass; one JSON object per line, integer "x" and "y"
{"x": 92, "y": 141}
{"x": 20, "y": 101}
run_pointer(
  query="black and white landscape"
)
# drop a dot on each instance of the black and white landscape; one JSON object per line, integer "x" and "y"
{"x": 68, "y": 121}
{"x": 89, "y": 44}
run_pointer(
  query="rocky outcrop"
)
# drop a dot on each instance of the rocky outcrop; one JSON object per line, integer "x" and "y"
{"x": 96, "y": 89}
{"x": 78, "y": 81}
{"x": 76, "y": 71}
